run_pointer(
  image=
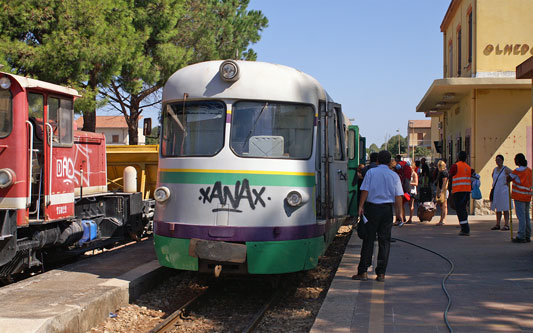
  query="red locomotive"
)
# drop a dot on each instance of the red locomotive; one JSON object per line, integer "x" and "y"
{"x": 53, "y": 183}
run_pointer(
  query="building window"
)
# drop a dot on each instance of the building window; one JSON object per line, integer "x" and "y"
{"x": 459, "y": 52}
{"x": 470, "y": 31}
{"x": 419, "y": 138}
{"x": 450, "y": 59}
{"x": 114, "y": 139}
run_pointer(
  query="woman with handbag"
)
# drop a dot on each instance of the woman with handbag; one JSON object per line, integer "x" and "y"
{"x": 442, "y": 191}
{"x": 412, "y": 186}
{"x": 499, "y": 194}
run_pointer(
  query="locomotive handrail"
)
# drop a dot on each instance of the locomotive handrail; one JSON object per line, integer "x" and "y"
{"x": 30, "y": 164}
{"x": 49, "y": 140}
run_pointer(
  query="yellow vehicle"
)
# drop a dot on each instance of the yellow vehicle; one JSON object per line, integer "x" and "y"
{"x": 142, "y": 157}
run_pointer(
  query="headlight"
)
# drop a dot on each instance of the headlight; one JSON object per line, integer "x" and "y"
{"x": 294, "y": 198}
{"x": 161, "y": 194}
{"x": 5, "y": 82}
{"x": 7, "y": 178}
{"x": 229, "y": 71}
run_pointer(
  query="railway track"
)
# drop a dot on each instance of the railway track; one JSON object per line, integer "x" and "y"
{"x": 172, "y": 321}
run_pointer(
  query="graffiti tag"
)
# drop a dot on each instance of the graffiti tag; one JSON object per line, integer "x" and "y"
{"x": 240, "y": 192}
{"x": 65, "y": 168}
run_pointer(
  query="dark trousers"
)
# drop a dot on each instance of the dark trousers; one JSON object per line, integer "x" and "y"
{"x": 380, "y": 222}
{"x": 461, "y": 201}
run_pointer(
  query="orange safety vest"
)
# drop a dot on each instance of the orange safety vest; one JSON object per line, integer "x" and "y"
{"x": 522, "y": 191}
{"x": 461, "y": 181}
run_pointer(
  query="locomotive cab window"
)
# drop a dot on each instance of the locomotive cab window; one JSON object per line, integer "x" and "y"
{"x": 60, "y": 113}
{"x": 272, "y": 130}
{"x": 193, "y": 128}
{"x": 36, "y": 113}
{"x": 6, "y": 113}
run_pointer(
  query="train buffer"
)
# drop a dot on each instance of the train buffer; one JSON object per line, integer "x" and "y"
{"x": 490, "y": 286}
{"x": 78, "y": 296}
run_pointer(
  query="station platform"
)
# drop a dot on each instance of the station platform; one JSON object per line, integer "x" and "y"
{"x": 78, "y": 296}
{"x": 491, "y": 286}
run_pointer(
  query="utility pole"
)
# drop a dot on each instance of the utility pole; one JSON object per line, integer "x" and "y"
{"x": 398, "y": 131}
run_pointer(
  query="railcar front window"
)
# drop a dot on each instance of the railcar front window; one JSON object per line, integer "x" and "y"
{"x": 193, "y": 128}
{"x": 272, "y": 130}
{"x": 6, "y": 114}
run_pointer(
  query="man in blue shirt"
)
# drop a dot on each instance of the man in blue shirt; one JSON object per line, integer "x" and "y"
{"x": 381, "y": 189}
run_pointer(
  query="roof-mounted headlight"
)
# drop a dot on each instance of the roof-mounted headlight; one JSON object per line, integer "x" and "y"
{"x": 161, "y": 194}
{"x": 7, "y": 178}
{"x": 229, "y": 71}
{"x": 5, "y": 82}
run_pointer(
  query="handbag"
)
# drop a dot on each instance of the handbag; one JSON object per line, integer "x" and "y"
{"x": 491, "y": 195}
{"x": 476, "y": 193}
{"x": 441, "y": 198}
{"x": 361, "y": 228}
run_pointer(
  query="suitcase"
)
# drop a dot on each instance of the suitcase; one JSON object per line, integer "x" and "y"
{"x": 426, "y": 211}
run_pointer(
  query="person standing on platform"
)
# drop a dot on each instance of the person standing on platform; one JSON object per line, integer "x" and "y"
{"x": 442, "y": 191}
{"x": 381, "y": 189}
{"x": 521, "y": 194}
{"x": 373, "y": 163}
{"x": 413, "y": 184}
{"x": 461, "y": 187}
{"x": 500, "y": 194}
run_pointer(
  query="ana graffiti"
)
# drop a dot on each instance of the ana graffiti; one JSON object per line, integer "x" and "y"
{"x": 227, "y": 197}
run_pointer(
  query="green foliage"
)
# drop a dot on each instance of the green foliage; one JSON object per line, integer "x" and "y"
{"x": 153, "y": 139}
{"x": 422, "y": 152}
{"x": 372, "y": 149}
{"x": 392, "y": 145}
{"x": 121, "y": 51}
{"x": 79, "y": 43}
{"x": 176, "y": 33}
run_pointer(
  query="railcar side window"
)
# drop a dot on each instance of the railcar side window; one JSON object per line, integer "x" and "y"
{"x": 6, "y": 113}
{"x": 272, "y": 130}
{"x": 60, "y": 117}
{"x": 338, "y": 155}
{"x": 193, "y": 128}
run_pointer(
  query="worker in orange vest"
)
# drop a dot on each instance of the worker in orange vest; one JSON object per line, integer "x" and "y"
{"x": 461, "y": 187}
{"x": 521, "y": 194}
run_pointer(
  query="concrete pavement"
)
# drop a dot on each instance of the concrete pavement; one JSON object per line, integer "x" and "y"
{"x": 491, "y": 287}
{"x": 77, "y": 297}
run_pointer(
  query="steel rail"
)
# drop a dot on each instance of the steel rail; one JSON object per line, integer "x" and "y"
{"x": 259, "y": 315}
{"x": 168, "y": 324}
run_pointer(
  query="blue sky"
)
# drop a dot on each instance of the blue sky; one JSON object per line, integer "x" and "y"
{"x": 376, "y": 58}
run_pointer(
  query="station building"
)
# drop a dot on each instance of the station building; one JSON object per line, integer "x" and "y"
{"x": 418, "y": 135}
{"x": 479, "y": 106}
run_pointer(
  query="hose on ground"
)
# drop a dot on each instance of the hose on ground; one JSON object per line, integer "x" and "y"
{"x": 443, "y": 280}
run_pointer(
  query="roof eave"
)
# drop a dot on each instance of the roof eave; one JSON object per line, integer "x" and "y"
{"x": 444, "y": 93}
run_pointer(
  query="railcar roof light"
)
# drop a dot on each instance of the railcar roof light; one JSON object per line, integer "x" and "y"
{"x": 5, "y": 82}
{"x": 294, "y": 198}
{"x": 161, "y": 194}
{"x": 229, "y": 71}
{"x": 7, "y": 177}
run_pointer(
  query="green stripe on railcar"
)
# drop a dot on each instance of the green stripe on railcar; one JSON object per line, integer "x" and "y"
{"x": 254, "y": 179}
{"x": 273, "y": 257}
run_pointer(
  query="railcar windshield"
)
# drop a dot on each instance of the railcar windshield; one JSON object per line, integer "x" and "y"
{"x": 6, "y": 113}
{"x": 193, "y": 128}
{"x": 272, "y": 130}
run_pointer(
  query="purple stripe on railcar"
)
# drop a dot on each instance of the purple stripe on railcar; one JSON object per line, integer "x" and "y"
{"x": 228, "y": 118}
{"x": 239, "y": 234}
